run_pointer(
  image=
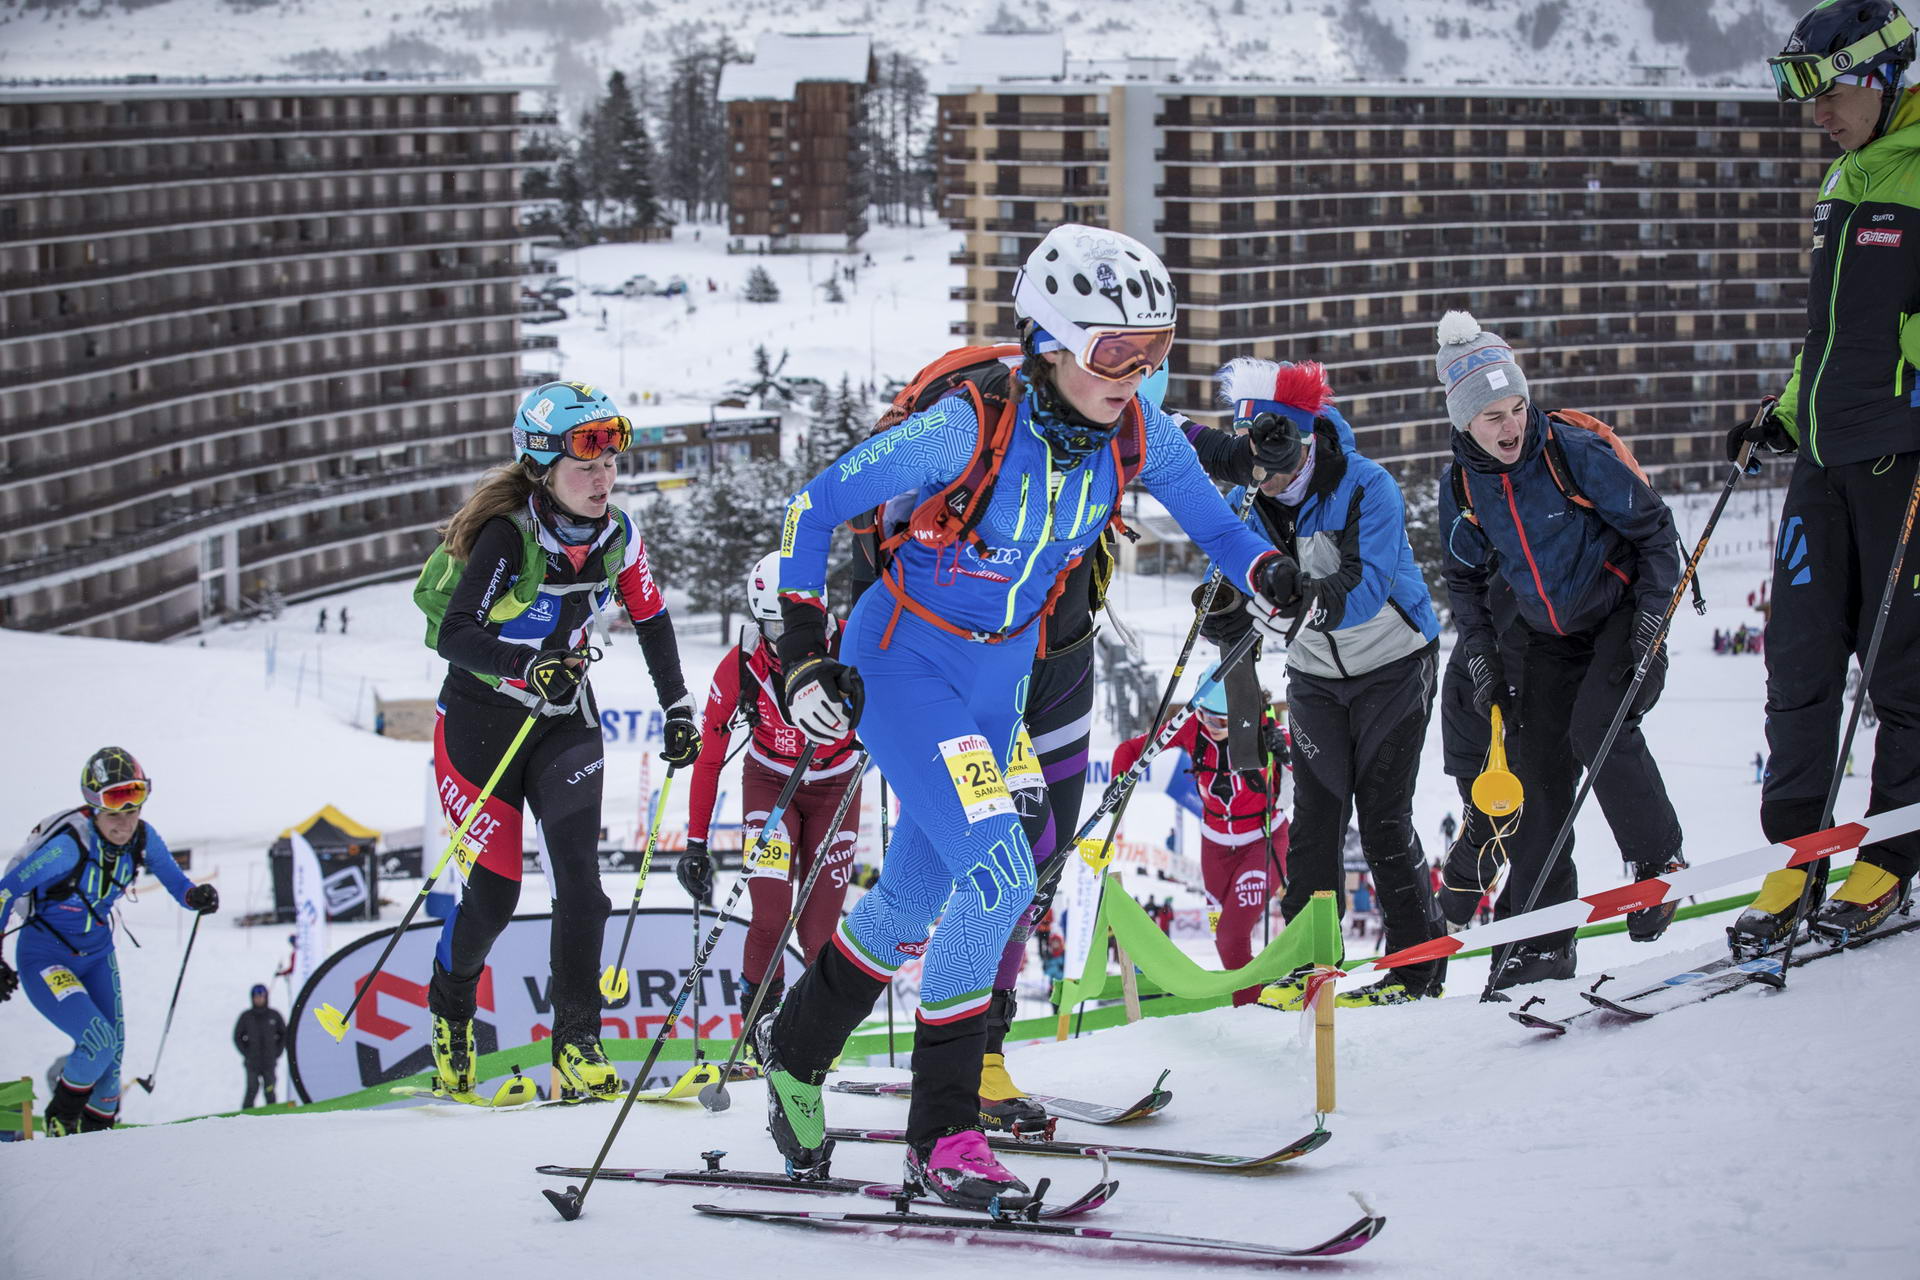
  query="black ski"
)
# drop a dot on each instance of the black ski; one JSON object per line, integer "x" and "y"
{"x": 1134, "y": 1155}
{"x": 714, "y": 1176}
{"x": 1009, "y": 1227}
{"x": 1056, "y": 1107}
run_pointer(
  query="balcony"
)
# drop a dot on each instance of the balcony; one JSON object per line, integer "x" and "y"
{"x": 1090, "y": 155}
{"x": 1046, "y": 119}
{"x": 70, "y": 228}
{"x": 292, "y": 167}
{"x": 187, "y": 130}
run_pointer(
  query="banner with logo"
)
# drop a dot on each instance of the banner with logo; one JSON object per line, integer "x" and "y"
{"x": 390, "y": 1035}
{"x": 309, "y": 909}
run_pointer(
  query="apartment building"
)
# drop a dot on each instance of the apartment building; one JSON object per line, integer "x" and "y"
{"x": 255, "y": 336}
{"x": 1642, "y": 246}
{"x": 794, "y": 181}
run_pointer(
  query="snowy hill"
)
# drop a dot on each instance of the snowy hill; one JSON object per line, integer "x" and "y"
{"x": 1546, "y": 42}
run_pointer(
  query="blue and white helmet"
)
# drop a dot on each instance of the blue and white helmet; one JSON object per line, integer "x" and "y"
{"x": 553, "y": 409}
{"x": 1215, "y": 703}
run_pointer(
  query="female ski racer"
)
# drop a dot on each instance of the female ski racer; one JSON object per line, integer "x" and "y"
{"x": 940, "y": 658}
{"x": 511, "y": 651}
{"x": 1243, "y": 830}
{"x": 748, "y": 680}
{"x": 1591, "y": 582}
{"x": 73, "y": 870}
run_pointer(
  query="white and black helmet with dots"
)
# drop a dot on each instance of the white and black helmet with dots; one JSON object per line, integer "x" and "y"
{"x": 1083, "y": 284}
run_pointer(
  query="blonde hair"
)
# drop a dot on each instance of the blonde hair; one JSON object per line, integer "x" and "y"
{"x": 501, "y": 492}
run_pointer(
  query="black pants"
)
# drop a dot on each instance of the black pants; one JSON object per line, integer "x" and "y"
{"x": 1356, "y": 750}
{"x": 1569, "y": 695}
{"x": 259, "y": 1078}
{"x": 1838, "y": 532}
{"x": 1059, "y": 719}
{"x": 557, "y": 773}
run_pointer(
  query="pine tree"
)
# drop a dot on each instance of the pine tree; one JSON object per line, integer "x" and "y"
{"x": 848, "y": 422}
{"x": 760, "y": 286}
{"x": 708, "y": 538}
{"x": 768, "y": 381}
{"x": 628, "y": 154}
{"x": 576, "y": 224}
{"x": 834, "y": 293}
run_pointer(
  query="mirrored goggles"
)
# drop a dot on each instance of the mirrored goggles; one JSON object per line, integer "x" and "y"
{"x": 122, "y": 796}
{"x": 1213, "y": 721}
{"x": 1801, "y": 77}
{"x": 584, "y": 443}
{"x": 1117, "y": 354}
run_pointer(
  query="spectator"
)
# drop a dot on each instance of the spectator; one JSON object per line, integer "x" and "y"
{"x": 343, "y": 619}
{"x": 320, "y": 626}
{"x": 260, "y": 1035}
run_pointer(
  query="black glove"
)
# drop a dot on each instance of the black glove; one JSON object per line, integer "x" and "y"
{"x": 1273, "y": 740}
{"x": 1227, "y": 621}
{"x": 9, "y": 981}
{"x": 1767, "y": 434}
{"x": 1275, "y": 443}
{"x": 552, "y": 677}
{"x": 824, "y": 697}
{"x": 694, "y": 871}
{"x": 1640, "y": 641}
{"x": 1490, "y": 688}
{"x": 682, "y": 736}
{"x": 1279, "y": 578}
{"x": 1253, "y": 779}
{"x": 203, "y": 898}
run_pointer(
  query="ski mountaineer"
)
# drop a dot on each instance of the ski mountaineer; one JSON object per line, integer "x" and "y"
{"x": 747, "y": 683}
{"x": 72, "y": 871}
{"x": 1590, "y": 553}
{"x": 939, "y": 657}
{"x": 1850, "y": 413}
{"x": 1059, "y": 724}
{"x": 527, "y": 564}
{"x": 1360, "y": 670}
{"x": 1243, "y": 827}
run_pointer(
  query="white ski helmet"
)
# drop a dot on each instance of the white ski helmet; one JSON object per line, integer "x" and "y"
{"x": 763, "y": 588}
{"x": 1102, "y": 296}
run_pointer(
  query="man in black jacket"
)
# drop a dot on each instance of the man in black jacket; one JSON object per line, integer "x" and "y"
{"x": 260, "y": 1035}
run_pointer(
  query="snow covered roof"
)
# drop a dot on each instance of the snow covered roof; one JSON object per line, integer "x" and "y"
{"x": 988, "y": 58}
{"x": 781, "y": 61}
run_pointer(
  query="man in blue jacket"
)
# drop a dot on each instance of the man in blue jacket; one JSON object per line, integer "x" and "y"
{"x": 1360, "y": 669}
{"x": 1590, "y": 553}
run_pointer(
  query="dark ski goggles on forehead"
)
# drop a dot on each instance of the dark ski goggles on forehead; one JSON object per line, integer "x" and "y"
{"x": 584, "y": 443}
{"x": 1802, "y": 77}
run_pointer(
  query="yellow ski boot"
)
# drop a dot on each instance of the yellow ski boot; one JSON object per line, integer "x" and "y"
{"x": 1769, "y": 918}
{"x": 1004, "y": 1105}
{"x": 584, "y": 1071}
{"x": 1865, "y": 899}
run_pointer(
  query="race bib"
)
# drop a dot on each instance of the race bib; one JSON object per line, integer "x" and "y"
{"x": 1023, "y": 765}
{"x": 976, "y": 778}
{"x": 774, "y": 859}
{"x": 61, "y": 981}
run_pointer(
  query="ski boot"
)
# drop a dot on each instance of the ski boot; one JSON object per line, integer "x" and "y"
{"x": 1769, "y": 918}
{"x": 796, "y": 1115}
{"x": 961, "y": 1170}
{"x": 1648, "y": 923}
{"x": 1289, "y": 994}
{"x": 453, "y": 1055}
{"x": 1531, "y": 962}
{"x": 583, "y": 1072}
{"x": 1389, "y": 990}
{"x": 65, "y": 1110}
{"x": 1866, "y": 897}
{"x": 92, "y": 1121}
{"x": 769, "y": 1004}
{"x": 1005, "y": 1106}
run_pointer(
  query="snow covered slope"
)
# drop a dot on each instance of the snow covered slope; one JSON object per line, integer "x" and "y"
{"x": 1547, "y": 42}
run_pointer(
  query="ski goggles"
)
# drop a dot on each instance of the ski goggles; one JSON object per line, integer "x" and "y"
{"x": 584, "y": 443}
{"x": 1118, "y": 354}
{"x": 1213, "y": 720}
{"x": 122, "y": 796}
{"x": 1801, "y": 77}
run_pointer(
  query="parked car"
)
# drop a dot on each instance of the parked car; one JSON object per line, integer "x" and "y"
{"x": 640, "y": 287}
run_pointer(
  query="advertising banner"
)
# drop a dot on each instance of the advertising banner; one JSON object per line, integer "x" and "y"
{"x": 390, "y": 1035}
{"x": 309, "y": 909}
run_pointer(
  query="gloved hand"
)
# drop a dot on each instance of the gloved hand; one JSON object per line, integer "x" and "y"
{"x": 9, "y": 981}
{"x": 1278, "y": 577}
{"x": 1767, "y": 434}
{"x": 1640, "y": 641}
{"x": 694, "y": 871}
{"x": 554, "y": 675}
{"x": 1227, "y": 621}
{"x": 203, "y": 898}
{"x": 1490, "y": 688}
{"x": 682, "y": 735}
{"x": 1253, "y": 779}
{"x": 824, "y": 697}
{"x": 1275, "y": 443}
{"x": 1273, "y": 740}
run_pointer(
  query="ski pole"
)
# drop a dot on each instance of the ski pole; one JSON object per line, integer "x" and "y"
{"x": 1619, "y": 716}
{"x": 333, "y": 1019}
{"x": 714, "y": 1096}
{"x": 570, "y": 1201}
{"x": 883, "y": 855}
{"x": 1817, "y": 872}
{"x": 146, "y": 1081}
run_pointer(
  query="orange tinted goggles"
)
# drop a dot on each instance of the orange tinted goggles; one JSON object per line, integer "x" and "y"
{"x": 592, "y": 440}
{"x": 122, "y": 796}
{"x": 1115, "y": 354}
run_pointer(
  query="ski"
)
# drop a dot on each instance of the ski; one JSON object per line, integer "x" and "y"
{"x": 1056, "y": 1107}
{"x": 1006, "y": 1226}
{"x": 1122, "y": 1154}
{"x": 714, "y": 1176}
{"x": 520, "y": 1093}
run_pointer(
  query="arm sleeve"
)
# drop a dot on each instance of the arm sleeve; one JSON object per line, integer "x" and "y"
{"x": 1465, "y": 569}
{"x": 715, "y": 737}
{"x": 1225, "y": 457}
{"x": 1370, "y": 540}
{"x": 240, "y": 1033}
{"x": 279, "y": 1034}
{"x": 50, "y": 862}
{"x": 925, "y": 451}
{"x": 464, "y": 638}
{"x": 1172, "y": 474}
{"x": 1636, "y": 513}
{"x": 165, "y": 869}
{"x": 640, "y": 596}
{"x": 1787, "y": 412}
{"x": 1126, "y": 753}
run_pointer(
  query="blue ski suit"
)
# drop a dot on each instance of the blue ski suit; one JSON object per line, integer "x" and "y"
{"x": 943, "y": 710}
{"x": 65, "y": 955}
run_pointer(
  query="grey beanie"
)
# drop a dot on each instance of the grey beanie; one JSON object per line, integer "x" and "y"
{"x": 1476, "y": 367}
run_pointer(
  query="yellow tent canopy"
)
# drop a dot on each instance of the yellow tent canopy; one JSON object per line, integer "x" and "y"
{"x": 332, "y": 817}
